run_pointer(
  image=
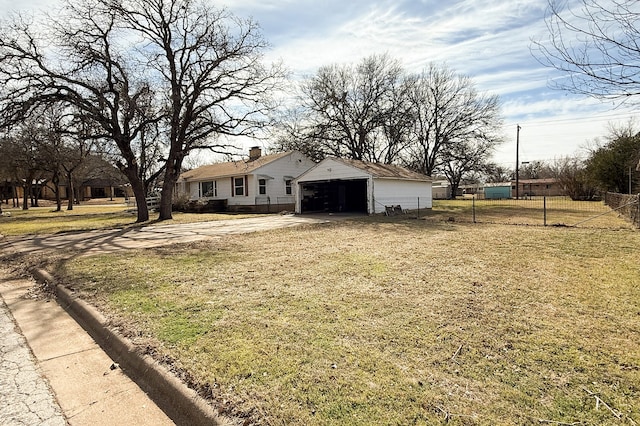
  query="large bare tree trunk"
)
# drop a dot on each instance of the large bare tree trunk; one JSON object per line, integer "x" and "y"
{"x": 70, "y": 192}
{"x": 139, "y": 192}
{"x": 171, "y": 175}
{"x": 25, "y": 196}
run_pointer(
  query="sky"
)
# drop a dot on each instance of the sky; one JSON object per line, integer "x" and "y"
{"x": 488, "y": 40}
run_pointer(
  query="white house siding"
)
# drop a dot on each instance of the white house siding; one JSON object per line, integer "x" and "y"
{"x": 410, "y": 195}
{"x": 330, "y": 169}
{"x": 280, "y": 170}
{"x": 276, "y": 172}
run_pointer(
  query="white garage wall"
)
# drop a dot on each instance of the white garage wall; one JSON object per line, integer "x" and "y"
{"x": 329, "y": 169}
{"x": 408, "y": 194}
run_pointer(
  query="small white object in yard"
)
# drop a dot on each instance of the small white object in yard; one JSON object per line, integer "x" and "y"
{"x": 6, "y": 214}
{"x": 334, "y": 366}
{"x": 114, "y": 366}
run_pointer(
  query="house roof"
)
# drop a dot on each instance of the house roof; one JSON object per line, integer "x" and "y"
{"x": 546, "y": 181}
{"x": 231, "y": 168}
{"x": 383, "y": 171}
{"x": 497, "y": 184}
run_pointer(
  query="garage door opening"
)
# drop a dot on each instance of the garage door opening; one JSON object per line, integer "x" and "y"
{"x": 336, "y": 196}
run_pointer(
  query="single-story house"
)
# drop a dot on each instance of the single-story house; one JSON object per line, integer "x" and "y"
{"x": 539, "y": 187}
{"x": 260, "y": 183}
{"x": 342, "y": 185}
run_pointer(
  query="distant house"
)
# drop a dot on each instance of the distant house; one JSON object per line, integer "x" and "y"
{"x": 441, "y": 189}
{"x": 260, "y": 184}
{"x": 341, "y": 185}
{"x": 549, "y": 187}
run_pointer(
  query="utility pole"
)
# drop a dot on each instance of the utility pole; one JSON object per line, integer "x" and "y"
{"x": 518, "y": 161}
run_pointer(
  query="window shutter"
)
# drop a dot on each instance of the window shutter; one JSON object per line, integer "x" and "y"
{"x": 233, "y": 189}
{"x": 246, "y": 185}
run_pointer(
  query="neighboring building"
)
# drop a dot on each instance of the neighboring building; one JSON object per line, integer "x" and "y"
{"x": 261, "y": 183}
{"x": 90, "y": 189}
{"x": 469, "y": 190}
{"x": 497, "y": 191}
{"x": 341, "y": 185}
{"x": 526, "y": 188}
{"x": 549, "y": 187}
{"x": 441, "y": 189}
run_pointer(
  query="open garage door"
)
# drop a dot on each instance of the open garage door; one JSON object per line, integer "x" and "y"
{"x": 335, "y": 196}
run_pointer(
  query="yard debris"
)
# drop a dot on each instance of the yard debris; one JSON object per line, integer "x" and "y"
{"x": 453, "y": 358}
{"x": 393, "y": 210}
{"x": 553, "y": 422}
{"x": 599, "y": 401}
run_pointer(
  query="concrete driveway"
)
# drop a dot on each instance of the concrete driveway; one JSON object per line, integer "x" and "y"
{"x": 101, "y": 241}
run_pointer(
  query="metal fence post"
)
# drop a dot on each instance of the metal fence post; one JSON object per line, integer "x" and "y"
{"x": 638, "y": 211}
{"x": 418, "y": 207}
{"x": 473, "y": 208}
{"x": 544, "y": 208}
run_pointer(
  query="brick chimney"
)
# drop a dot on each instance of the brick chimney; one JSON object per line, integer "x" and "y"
{"x": 254, "y": 153}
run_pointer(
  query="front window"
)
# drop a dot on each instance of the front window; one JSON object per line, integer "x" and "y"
{"x": 208, "y": 189}
{"x": 287, "y": 187}
{"x": 262, "y": 186}
{"x": 238, "y": 186}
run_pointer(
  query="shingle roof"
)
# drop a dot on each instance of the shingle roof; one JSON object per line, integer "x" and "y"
{"x": 379, "y": 170}
{"x": 232, "y": 168}
{"x": 538, "y": 181}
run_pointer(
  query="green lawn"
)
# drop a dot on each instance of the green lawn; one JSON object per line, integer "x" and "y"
{"x": 390, "y": 321}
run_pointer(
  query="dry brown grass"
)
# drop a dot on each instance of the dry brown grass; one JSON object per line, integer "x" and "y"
{"x": 387, "y": 321}
{"x": 90, "y": 216}
{"x": 559, "y": 211}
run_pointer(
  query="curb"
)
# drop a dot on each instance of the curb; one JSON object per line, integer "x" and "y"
{"x": 182, "y": 404}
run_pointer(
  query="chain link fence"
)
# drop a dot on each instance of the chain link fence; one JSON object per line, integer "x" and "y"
{"x": 541, "y": 211}
{"x": 628, "y": 206}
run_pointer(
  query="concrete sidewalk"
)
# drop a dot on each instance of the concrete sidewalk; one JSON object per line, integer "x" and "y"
{"x": 87, "y": 388}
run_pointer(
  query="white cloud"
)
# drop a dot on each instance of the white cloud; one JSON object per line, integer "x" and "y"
{"x": 486, "y": 39}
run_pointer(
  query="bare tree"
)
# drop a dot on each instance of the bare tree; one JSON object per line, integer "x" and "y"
{"x": 209, "y": 62}
{"x": 465, "y": 157}
{"x": 351, "y": 110}
{"x": 79, "y": 57}
{"x": 535, "y": 170}
{"x": 448, "y": 110}
{"x": 571, "y": 173}
{"x": 495, "y": 173}
{"x": 290, "y": 132}
{"x": 24, "y": 159}
{"x": 596, "y": 46}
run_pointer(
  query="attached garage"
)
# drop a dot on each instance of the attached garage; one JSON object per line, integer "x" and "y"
{"x": 340, "y": 185}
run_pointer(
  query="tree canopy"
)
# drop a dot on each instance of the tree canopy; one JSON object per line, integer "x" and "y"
{"x": 595, "y": 45}
{"x": 131, "y": 67}
{"x": 434, "y": 122}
